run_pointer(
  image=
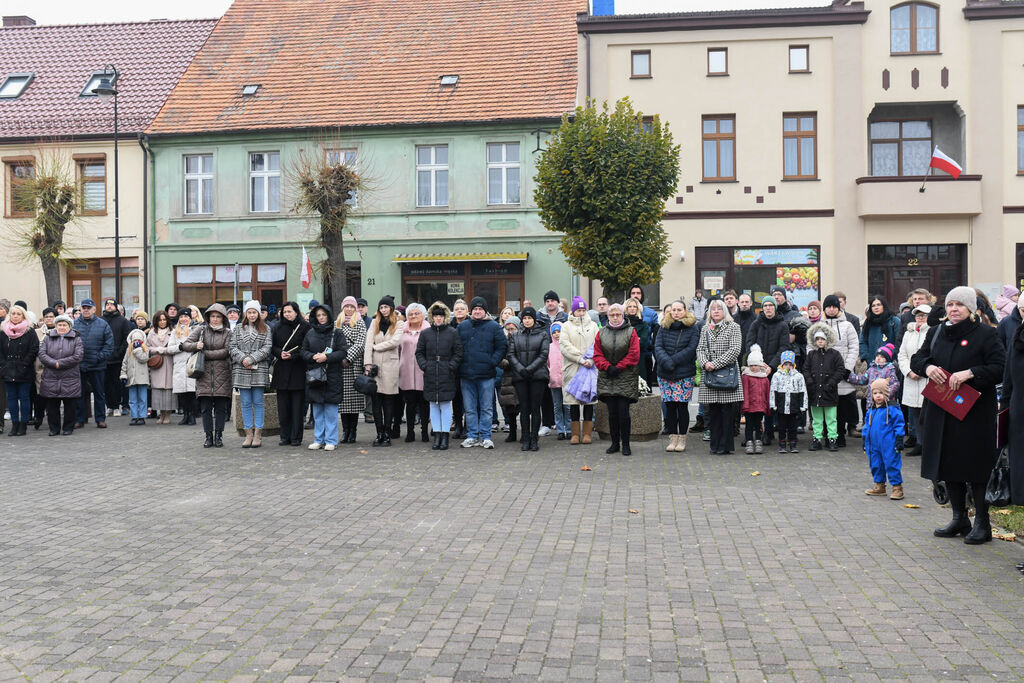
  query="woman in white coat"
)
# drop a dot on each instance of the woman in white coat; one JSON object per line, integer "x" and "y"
{"x": 383, "y": 344}
{"x": 183, "y": 385}
{"x": 913, "y": 384}
{"x": 577, "y": 346}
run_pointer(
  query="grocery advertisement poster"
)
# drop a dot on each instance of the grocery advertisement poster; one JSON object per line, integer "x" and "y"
{"x": 801, "y": 283}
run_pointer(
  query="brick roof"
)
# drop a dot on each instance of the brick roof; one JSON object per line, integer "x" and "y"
{"x": 326, "y": 63}
{"x": 150, "y": 57}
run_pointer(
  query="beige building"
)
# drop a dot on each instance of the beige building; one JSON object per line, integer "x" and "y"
{"x": 806, "y": 134}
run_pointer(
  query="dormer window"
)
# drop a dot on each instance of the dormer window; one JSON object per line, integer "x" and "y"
{"x": 14, "y": 85}
{"x": 914, "y": 29}
{"x": 94, "y": 82}
{"x": 449, "y": 80}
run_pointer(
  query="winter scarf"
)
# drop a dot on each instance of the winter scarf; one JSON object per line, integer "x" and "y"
{"x": 14, "y": 331}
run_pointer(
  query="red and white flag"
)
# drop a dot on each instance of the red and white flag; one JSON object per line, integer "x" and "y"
{"x": 944, "y": 163}
{"x": 307, "y": 269}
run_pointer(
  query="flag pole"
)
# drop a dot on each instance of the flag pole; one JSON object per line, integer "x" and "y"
{"x": 926, "y": 173}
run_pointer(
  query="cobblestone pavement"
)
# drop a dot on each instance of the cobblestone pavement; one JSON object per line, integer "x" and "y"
{"x": 134, "y": 554}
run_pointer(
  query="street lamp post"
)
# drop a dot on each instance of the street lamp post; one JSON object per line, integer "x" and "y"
{"x": 106, "y": 88}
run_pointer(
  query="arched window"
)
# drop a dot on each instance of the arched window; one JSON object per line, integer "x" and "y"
{"x": 914, "y": 29}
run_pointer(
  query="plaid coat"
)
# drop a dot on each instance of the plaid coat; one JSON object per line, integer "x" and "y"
{"x": 351, "y": 400}
{"x": 721, "y": 346}
{"x": 246, "y": 342}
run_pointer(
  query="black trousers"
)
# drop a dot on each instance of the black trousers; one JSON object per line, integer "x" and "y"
{"x": 38, "y": 405}
{"x": 619, "y": 424}
{"x": 846, "y": 413}
{"x": 721, "y": 424}
{"x": 547, "y": 409}
{"x": 116, "y": 395}
{"x": 754, "y": 431}
{"x": 291, "y": 407}
{"x": 215, "y": 412}
{"x": 458, "y": 410}
{"x": 384, "y": 411}
{"x": 187, "y": 403}
{"x": 53, "y": 413}
{"x": 787, "y": 424}
{"x": 396, "y": 412}
{"x": 677, "y": 417}
{"x": 531, "y": 395}
{"x": 588, "y": 413}
{"x": 415, "y": 405}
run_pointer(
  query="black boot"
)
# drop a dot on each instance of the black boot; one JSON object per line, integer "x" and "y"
{"x": 424, "y": 433}
{"x": 511, "y": 438}
{"x": 534, "y": 446}
{"x": 184, "y": 418}
{"x": 437, "y": 442}
{"x": 218, "y": 439}
{"x": 444, "y": 440}
{"x": 379, "y": 441}
{"x": 982, "y": 530}
{"x": 960, "y": 525}
{"x": 613, "y": 429}
{"x": 410, "y": 435}
{"x": 15, "y": 429}
{"x": 815, "y": 444}
{"x": 352, "y": 428}
{"x": 524, "y": 443}
{"x": 192, "y": 419}
{"x": 209, "y": 440}
{"x": 698, "y": 425}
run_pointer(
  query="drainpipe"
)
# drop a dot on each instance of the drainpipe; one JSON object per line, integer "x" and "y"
{"x": 586, "y": 37}
{"x": 146, "y": 160}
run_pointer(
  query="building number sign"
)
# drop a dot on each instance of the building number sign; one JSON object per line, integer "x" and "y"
{"x": 913, "y": 262}
{"x": 370, "y": 282}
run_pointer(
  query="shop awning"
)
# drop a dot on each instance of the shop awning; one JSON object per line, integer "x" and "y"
{"x": 461, "y": 258}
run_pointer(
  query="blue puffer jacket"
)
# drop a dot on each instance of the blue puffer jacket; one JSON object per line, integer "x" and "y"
{"x": 675, "y": 349}
{"x": 881, "y": 427}
{"x": 483, "y": 347}
{"x": 97, "y": 340}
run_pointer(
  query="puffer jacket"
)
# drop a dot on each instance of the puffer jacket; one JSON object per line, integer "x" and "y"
{"x": 528, "y": 354}
{"x": 319, "y": 337}
{"x": 619, "y": 347}
{"x": 384, "y": 351}
{"x": 913, "y": 339}
{"x": 483, "y": 346}
{"x": 18, "y": 355}
{"x": 675, "y": 348}
{"x": 772, "y": 335}
{"x": 823, "y": 369}
{"x": 439, "y": 353}
{"x": 97, "y": 340}
{"x": 134, "y": 365}
{"x": 216, "y": 379}
{"x": 788, "y": 392}
{"x": 848, "y": 346}
{"x": 61, "y": 357}
{"x": 247, "y": 342}
{"x": 876, "y": 332}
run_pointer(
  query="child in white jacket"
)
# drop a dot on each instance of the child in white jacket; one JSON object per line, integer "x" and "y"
{"x": 913, "y": 385}
{"x": 787, "y": 398}
{"x": 135, "y": 375}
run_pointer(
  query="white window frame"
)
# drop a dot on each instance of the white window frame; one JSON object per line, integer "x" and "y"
{"x": 433, "y": 169}
{"x": 201, "y": 178}
{"x": 503, "y": 165}
{"x": 265, "y": 176}
{"x": 349, "y": 156}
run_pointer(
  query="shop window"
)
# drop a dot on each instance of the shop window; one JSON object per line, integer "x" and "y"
{"x": 432, "y": 175}
{"x": 198, "y": 184}
{"x": 206, "y": 284}
{"x": 914, "y": 29}
{"x": 799, "y": 59}
{"x": 503, "y": 173}
{"x": 799, "y": 146}
{"x": 92, "y": 186}
{"x": 21, "y": 201}
{"x": 718, "y": 61}
{"x": 900, "y": 148}
{"x": 755, "y": 270}
{"x": 264, "y": 182}
{"x": 640, "y": 64}
{"x": 718, "y": 138}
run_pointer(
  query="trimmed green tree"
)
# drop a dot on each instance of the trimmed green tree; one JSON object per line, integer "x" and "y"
{"x": 603, "y": 182}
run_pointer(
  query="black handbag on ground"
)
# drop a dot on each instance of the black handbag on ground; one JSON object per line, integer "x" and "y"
{"x": 317, "y": 376}
{"x": 723, "y": 379}
{"x": 997, "y": 492}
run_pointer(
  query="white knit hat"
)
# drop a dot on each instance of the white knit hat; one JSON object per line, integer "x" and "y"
{"x": 965, "y": 295}
{"x": 755, "y": 357}
{"x": 254, "y": 305}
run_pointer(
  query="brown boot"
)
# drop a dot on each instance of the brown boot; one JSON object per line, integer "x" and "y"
{"x": 257, "y": 438}
{"x": 248, "y": 439}
{"x": 681, "y": 443}
{"x": 878, "y": 490}
{"x": 588, "y": 429}
{"x": 897, "y": 492}
{"x": 575, "y": 438}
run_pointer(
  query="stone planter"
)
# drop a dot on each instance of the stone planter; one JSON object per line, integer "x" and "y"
{"x": 645, "y": 416}
{"x": 271, "y": 425}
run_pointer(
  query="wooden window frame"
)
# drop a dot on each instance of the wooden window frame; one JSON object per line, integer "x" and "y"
{"x": 913, "y": 5}
{"x": 899, "y": 144}
{"x": 10, "y": 182}
{"x": 807, "y": 58}
{"x": 724, "y": 50}
{"x": 1020, "y": 133}
{"x": 704, "y": 137}
{"x": 800, "y": 136}
{"x": 80, "y": 178}
{"x": 632, "y": 64}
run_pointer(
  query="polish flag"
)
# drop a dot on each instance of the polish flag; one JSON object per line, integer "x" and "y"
{"x": 307, "y": 269}
{"x": 944, "y": 163}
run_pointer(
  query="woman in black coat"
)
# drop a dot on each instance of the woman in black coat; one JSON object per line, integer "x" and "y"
{"x": 528, "y": 363}
{"x": 1013, "y": 378}
{"x": 324, "y": 396}
{"x": 675, "y": 356}
{"x": 961, "y": 453}
{"x": 289, "y": 372}
{"x": 439, "y": 353}
{"x": 19, "y": 347}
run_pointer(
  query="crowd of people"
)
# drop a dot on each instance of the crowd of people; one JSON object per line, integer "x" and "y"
{"x": 779, "y": 372}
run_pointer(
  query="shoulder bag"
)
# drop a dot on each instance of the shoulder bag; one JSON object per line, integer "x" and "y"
{"x": 195, "y": 366}
{"x": 723, "y": 379}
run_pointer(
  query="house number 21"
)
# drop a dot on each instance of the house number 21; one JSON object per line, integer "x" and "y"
{"x": 370, "y": 282}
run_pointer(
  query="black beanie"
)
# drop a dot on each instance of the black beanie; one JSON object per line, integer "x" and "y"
{"x": 386, "y": 300}
{"x": 478, "y": 302}
{"x": 528, "y": 312}
{"x": 831, "y": 300}
{"x": 551, "y": 294}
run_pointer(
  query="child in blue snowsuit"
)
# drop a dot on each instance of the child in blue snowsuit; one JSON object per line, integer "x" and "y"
{"x": 883, "y": 441}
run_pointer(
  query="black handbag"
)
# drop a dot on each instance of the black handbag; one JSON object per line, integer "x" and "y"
{"x": 317, "y": 376}
{"x": 997, "y": 492}
{"x": 365, "y": 384}
{"x": 723, "y": 379}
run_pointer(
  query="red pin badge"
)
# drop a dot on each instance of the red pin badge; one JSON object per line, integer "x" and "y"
{"x": 963, "y": 342}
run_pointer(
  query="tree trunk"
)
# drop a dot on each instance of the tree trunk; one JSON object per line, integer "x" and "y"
{"x": 333, "y": 244}
{"x": 51, "y": 276}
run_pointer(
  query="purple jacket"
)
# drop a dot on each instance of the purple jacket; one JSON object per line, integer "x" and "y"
{"x": 66, "y": 351}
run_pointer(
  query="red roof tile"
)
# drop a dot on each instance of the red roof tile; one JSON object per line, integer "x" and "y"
{"x": 150, "y": 57}
{"x": 325, "y": 63}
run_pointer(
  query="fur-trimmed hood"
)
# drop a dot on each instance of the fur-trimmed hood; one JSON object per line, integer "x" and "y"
{"x": 438, "y": 304}
{"x": 689, "y": 320}
{"x": 830, "y": 335}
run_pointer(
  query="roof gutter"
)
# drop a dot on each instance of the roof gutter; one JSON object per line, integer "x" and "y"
{"x": 703, "y": 21}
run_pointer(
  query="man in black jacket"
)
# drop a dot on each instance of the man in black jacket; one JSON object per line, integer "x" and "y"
{"x": 1008, "y": 325}
{"x": 120, "y": 326}
{"x": 744, "y": 315}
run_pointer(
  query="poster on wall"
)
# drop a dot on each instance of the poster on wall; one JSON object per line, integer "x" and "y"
{"x": 801, "y": 283}
{"x": 796, "y": 269}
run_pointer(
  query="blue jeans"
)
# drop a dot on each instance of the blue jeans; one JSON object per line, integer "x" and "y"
{"x": 252, "y": 408}
{"x": 325, "y": 422}
{"x": 137, "y": 395}
{"x": 562, "y": 417}
{"x": 441, "y": 416}
{"x": 18, "y": 401}
{"x": 92, "y": 380}
{"x": 477, "y": 400}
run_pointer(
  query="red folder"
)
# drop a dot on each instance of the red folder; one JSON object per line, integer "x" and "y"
{"x": 957, "y": 403}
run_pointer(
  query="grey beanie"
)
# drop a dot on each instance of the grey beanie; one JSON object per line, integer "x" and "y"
{"x": 965, "y": 295}
{"x": 64, "y": 318}
{"x": 514, "y": 319}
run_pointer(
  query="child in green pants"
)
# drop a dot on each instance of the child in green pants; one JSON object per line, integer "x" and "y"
{"x": 823, "y": 371}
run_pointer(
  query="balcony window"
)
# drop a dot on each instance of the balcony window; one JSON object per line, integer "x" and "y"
{"x": 1020, "y": 140}
{"x": 900, "y": 148}
{"x": 913, "y": 29}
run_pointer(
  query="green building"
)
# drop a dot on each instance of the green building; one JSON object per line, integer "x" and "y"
{"x": 445, "y": 137}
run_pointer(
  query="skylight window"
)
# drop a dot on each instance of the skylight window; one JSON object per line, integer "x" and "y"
{"x": 15, "y": 85}
{"x": 250, "y": 90}
{"x": 450, "y": 80}
{"x": 94, "y": 82}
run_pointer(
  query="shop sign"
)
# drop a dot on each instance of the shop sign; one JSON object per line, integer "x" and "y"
{"x": 456, "y": 288}
{"x": 433, "y": 269}
{"x": 773, "y": 256}
{"x": 510, "y": 268}
{"x": 714, "y": 283}
{"x": 513, "y": 304}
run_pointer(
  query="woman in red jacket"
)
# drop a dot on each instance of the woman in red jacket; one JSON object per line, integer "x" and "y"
{"x": 616, "y": 355}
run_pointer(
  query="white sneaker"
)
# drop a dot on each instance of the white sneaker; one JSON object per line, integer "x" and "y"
{"x": 487, "y": 443}
{"x": 117, "y": 413}
{"x": 110, "y": 412}
{"x": 504, "y": 427}
{"x": 543, "y": 431}
{"x": 329, "y": 447}
{"x": 470, "y": 442}
{"x": 315, "y": 446}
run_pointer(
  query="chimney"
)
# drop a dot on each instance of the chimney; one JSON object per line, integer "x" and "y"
{"x": 19, "y": 21}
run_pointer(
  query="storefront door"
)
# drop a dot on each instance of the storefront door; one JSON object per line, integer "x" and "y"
{"x": 499, "y": 283}
{"x": 896, "y": 270}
